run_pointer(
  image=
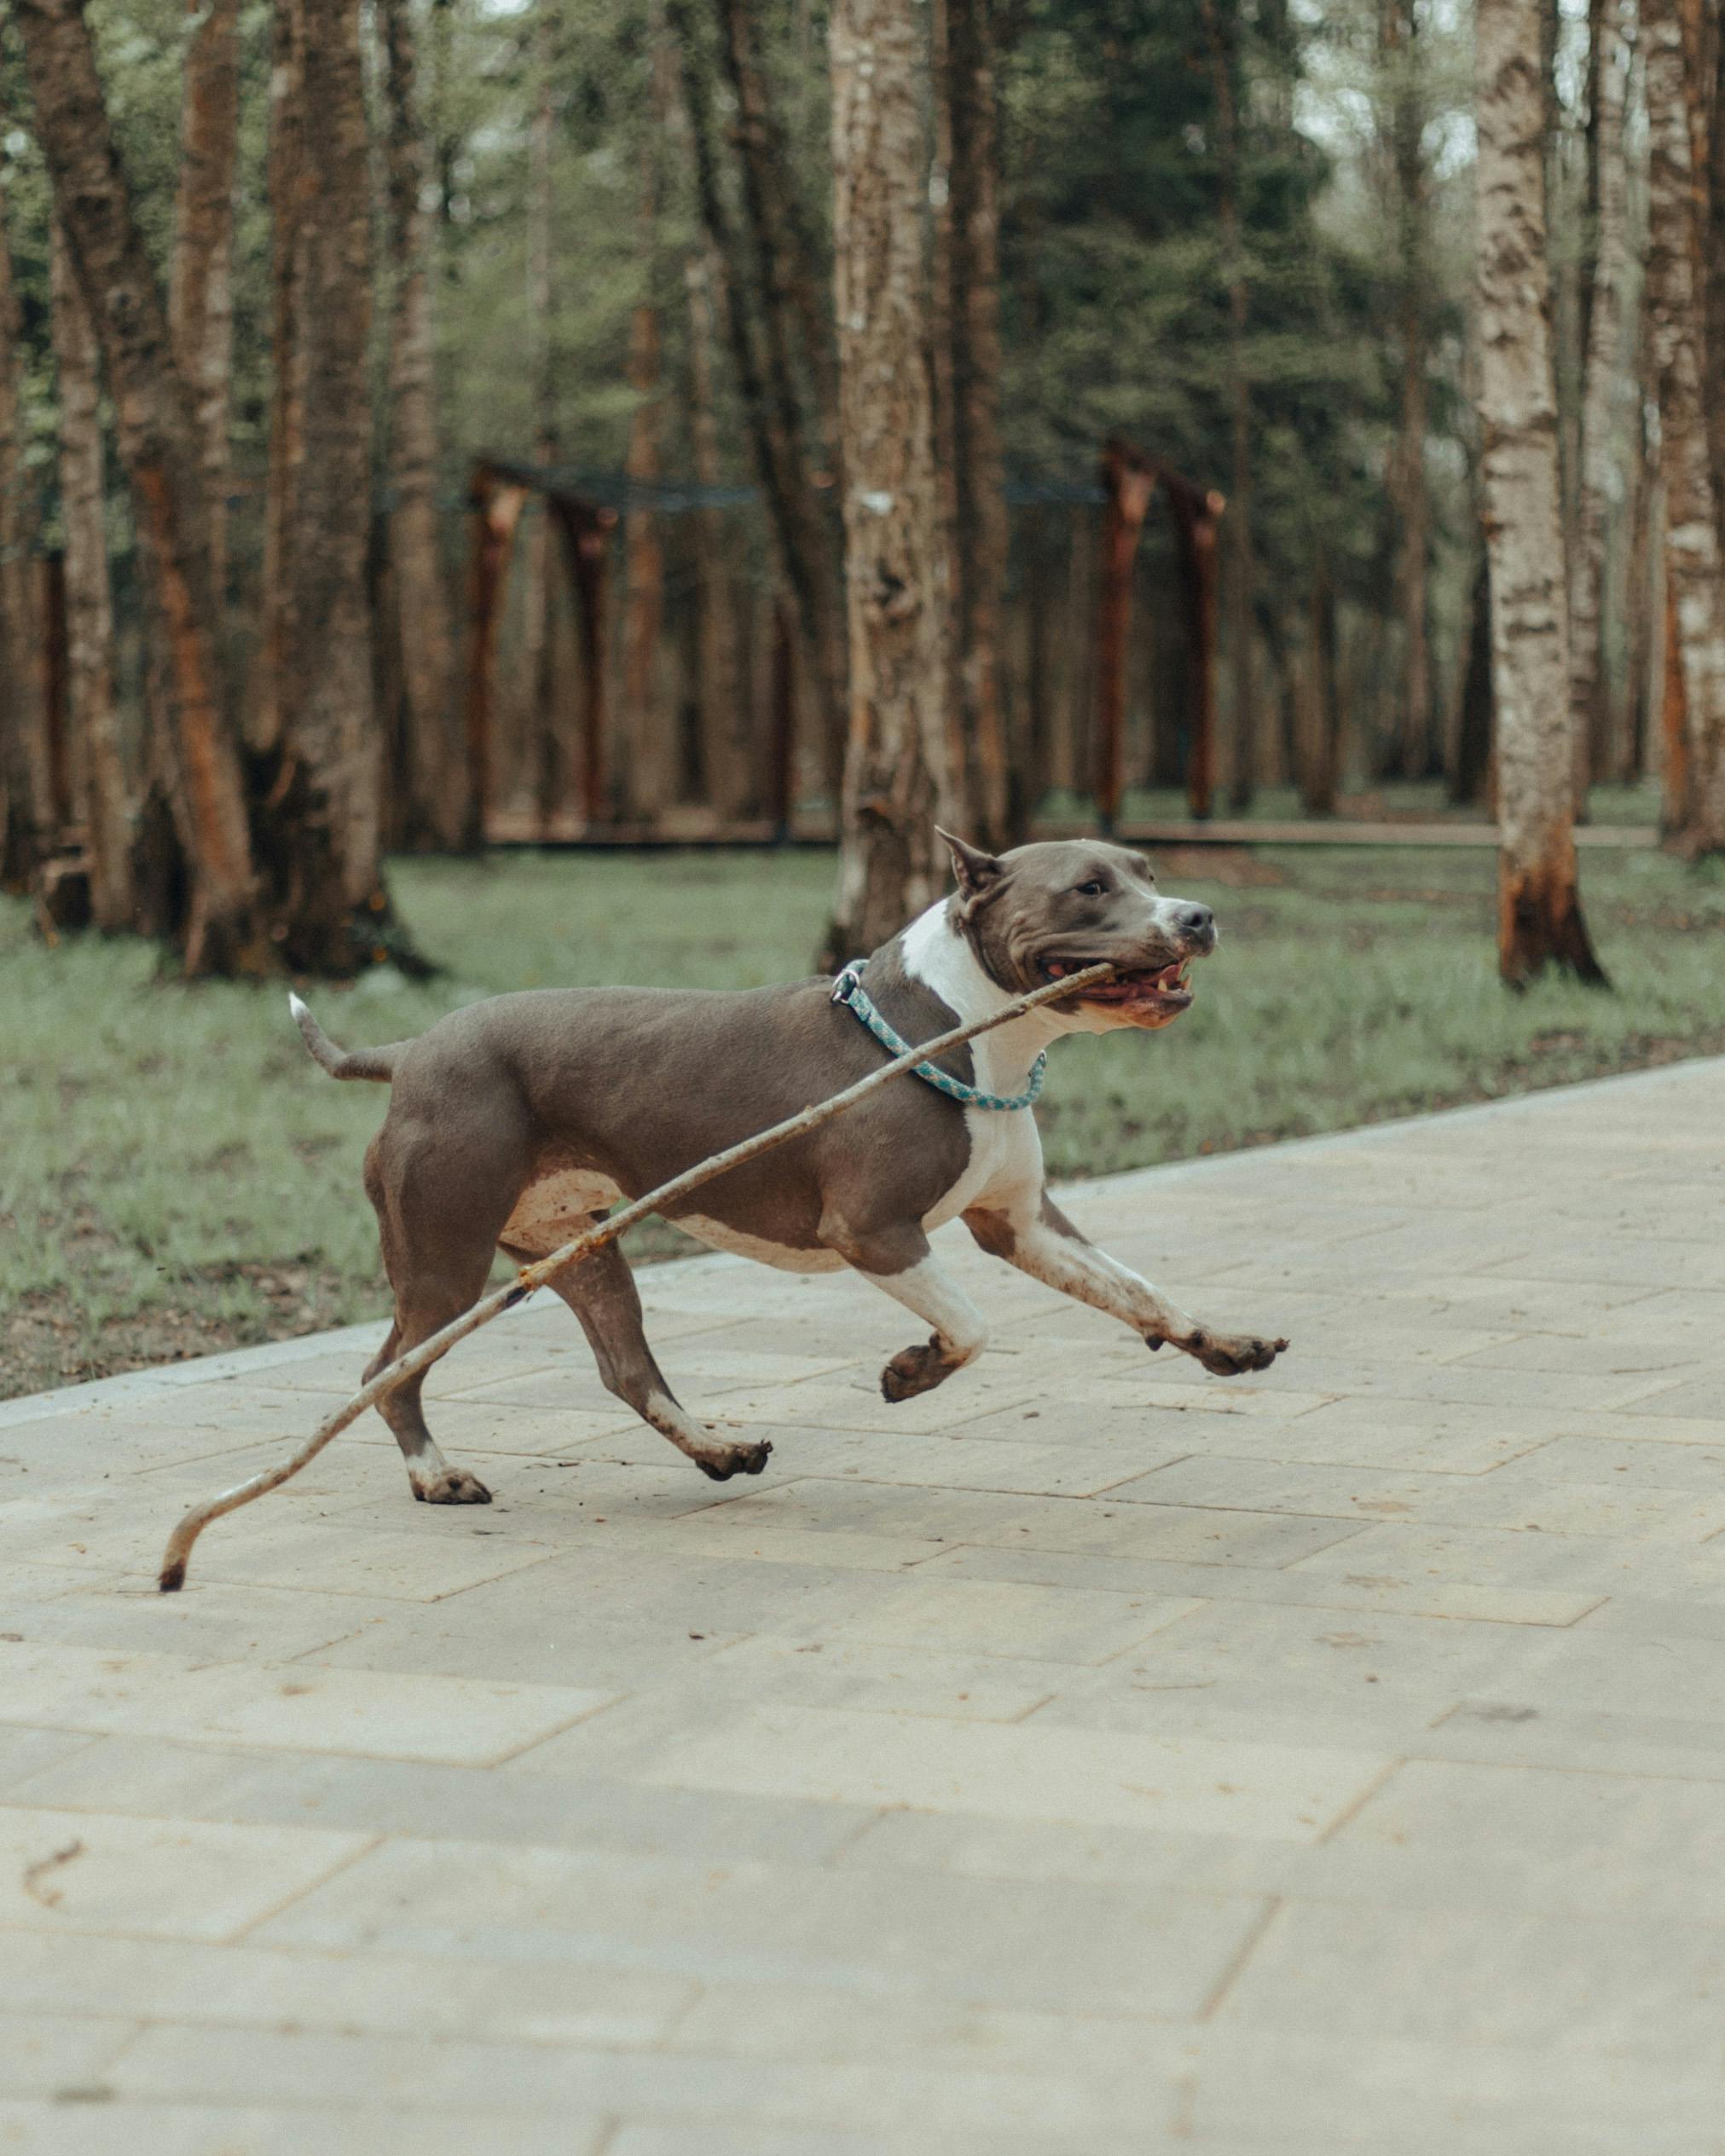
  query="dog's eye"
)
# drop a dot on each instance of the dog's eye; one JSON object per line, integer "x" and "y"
{"x": 1093, "y": 889}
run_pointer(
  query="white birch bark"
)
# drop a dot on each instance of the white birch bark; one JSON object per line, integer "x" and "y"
{"x": 1539, "y": 918}
{"x": 1599, "y": 383}
{"x": 1693, "y": 562}
{"x": 898, "y": 778}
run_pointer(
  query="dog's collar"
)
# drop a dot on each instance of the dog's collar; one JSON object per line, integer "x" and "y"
{"x": 848, "y": 990}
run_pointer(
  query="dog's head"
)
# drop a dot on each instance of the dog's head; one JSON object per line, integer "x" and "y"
{"x": 1039, "y": 911}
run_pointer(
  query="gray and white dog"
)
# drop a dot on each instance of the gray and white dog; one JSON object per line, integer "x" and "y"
{"x": 516, "y": 1121}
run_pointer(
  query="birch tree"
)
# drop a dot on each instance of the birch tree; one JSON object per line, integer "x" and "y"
{"x": 433, "y": 812}
{"x": 970, "y": 446}
{"x": 1539, "y": 906}
{"x": 1601, "y": 373}
{"x": 652, "y": 728}
{"x": 1403, "y": 128}
{"x": 200, "y": 291}
{"x": 1694, "y": 566}
{"x": 898, "y": 775}
{"x": 330, "y": 735}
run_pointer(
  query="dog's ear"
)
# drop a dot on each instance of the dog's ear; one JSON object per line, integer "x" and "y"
{"x": 974, "y": 870}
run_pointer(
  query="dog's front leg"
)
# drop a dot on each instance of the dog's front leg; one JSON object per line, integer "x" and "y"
{"x": 899, "y": 1261}
{"x": 1040, "y": 1241}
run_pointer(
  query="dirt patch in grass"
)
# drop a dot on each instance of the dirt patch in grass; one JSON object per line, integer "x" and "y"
{"x": 46, "y": 1342}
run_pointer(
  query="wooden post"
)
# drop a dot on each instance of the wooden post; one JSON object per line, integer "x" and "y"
{"x": 497, "y": 508}
{"x": 1129, "y": 480}
{"x": 586, "y": 541}
{"x": 1197, "y": 512}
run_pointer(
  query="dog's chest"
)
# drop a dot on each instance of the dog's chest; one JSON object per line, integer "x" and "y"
{"x": 1004, "y": 1153}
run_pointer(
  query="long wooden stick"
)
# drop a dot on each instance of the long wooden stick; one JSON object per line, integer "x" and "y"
{"x": 172, "y": 1576}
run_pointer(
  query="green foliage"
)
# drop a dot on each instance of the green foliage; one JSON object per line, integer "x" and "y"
{"x": 1114, "y": 282}
{"x": 177, "y": 1173}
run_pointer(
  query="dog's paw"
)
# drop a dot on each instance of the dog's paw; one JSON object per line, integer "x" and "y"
{"x": 914, "y": 1370}
{"x": 1231, "y": 1355}
{"x": 453, "y": 1486}
{"x": 738, "y": 1460}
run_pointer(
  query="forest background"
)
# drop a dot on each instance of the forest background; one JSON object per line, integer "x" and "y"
{"x": 425, "y": 422}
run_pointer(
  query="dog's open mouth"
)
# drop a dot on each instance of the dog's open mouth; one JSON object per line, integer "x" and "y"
{"x": 1150, "y": 995}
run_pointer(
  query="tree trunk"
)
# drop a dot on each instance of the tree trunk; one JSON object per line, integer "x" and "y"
{"x": 1711, "y": 198}
{"x": 759, "y": 318}
{"x": 970, "y": 451}
{"x": 431, "y": 791}
{"x": 538, "y": 639}
{"x": 1128, "y": 482}
{"x": 1320, "y": 772}
{"x": 795, "y": 314}
{"x": 1222, "y": 34}
{"x": 1539, "y": 907}
{"x": 1675, "y": 778}
{"x": 288, "y": 180}
{"x": 1471, "y": 775}
{"x": 26, "y": 781}
{"x": 92, "y": 707}
{"x": 200, "y": 292}
{"x": 1694, "y": 566}
{"x": 1413, "y": 750}
{"x": 898, "y": 774}
{"x": 651, "y": 771}
{"x": 650, "y": 726}
{"x": 160, "y": 448}
{"x": 1609, "y": 75}
{"x": 725, "y": 731}
{"x": 1629, "y": 760}
{"x": 327, "y": 847}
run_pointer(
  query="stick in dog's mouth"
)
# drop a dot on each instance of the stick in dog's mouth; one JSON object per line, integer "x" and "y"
{"x": 1159, "y": 992}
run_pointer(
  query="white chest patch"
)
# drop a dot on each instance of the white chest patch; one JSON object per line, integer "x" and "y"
{"x": 1005, "y": 1155}
{"x": 549, "y": 1212}
{"x": 1006, "y": 1146}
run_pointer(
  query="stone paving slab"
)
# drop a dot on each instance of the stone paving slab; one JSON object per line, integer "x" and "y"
{"x": 1088, "y": 1756}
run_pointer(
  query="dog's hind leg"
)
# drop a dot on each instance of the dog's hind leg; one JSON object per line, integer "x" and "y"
{"x": 1039, "y": 1239}
{"x": 438, "y": 1252}
{"x": 434, "y": 1480}
{"x": 601, "y": 1291}
{"x": 900, "y": 1263}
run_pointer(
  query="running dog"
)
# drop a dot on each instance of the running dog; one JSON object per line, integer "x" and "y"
{"x": 516, "y": 1122}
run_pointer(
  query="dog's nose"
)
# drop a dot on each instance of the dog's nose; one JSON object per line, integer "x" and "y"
{"x": 1197, "y": 923}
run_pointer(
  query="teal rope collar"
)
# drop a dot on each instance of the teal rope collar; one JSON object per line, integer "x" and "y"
{"x": 847, "y": 989}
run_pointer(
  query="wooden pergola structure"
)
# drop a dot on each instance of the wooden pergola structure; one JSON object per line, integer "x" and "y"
{"x": 500, "y": 490}
{"x": 496, "y": 495}
{"x": 1130, "y": 478}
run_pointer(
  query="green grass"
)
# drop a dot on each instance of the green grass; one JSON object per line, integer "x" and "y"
{"x": 177, "y": 1177}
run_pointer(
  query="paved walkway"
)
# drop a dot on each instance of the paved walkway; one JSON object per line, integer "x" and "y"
{"x": 1090, "y": 1756}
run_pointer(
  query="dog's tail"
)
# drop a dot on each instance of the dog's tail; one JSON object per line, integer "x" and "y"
{"x": 376, "y": 1063}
